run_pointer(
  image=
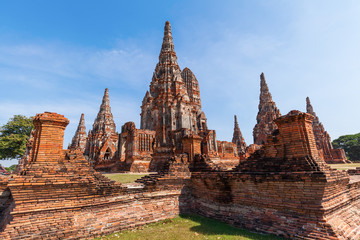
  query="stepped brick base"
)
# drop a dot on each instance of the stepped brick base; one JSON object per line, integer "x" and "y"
{"x": 283, "y": 188}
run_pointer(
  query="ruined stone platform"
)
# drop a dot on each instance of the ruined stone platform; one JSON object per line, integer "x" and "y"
{"x": 283, "y": 188}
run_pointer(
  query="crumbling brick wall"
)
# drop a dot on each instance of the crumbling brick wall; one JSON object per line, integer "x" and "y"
{"x": 136, "y": 147}
{"x": 284, "y": 188}
{"x": 58, "y": 195}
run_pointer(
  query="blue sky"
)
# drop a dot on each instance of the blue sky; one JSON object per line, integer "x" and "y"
{"x": 59, "y": 56}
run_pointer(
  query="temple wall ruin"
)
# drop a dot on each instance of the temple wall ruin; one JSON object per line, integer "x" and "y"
{"x": 63, "y": 197}
{"x": 136, "y": 147}
{"x": 279, "y": 185}
{"x": 293, "y": 205}
{"x": 283, "y": 188}
{"x": 71, "y": 220}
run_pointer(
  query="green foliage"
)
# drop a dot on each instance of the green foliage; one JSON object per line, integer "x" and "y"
{"x": 13, "y": 137}
{"x": 11, "y": 168}
{"x": 350, "y": 144}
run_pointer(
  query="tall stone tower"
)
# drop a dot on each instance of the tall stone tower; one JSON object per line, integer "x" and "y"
{"x": 268, "y": 112}
{"x": 79, "y": 139}
{"x": 173, "y": 101}
{"x": 238, "y": 138}
{"x": 322, "y": 137}
{"x": 102, "y": 139}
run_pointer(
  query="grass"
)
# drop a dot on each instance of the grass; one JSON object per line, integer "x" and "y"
{"x": 124, "y": 177}
{"x": 186, "y": 227}
{"x": 190, "y": 226}
{"x": 345, "y": 166}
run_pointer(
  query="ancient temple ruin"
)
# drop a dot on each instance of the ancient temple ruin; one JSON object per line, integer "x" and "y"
{"x": 268, "y": 112}
{"x": 280, "y": 185}
{"x": 323, "y": 140}
{"x": 238, "y": 138}
{"x": 80, "y": 137}
{"x": 171, "y": 111}
{"x": 102, "y": 143}
{"x": 172, "y": 106}
{"x": 284, "y": 188}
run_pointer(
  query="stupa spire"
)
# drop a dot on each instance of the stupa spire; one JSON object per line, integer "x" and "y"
{"x": 105, "y": 101}
{"x": 79, "y": 139}
{"x": 265, "y": 95}
{"x": 236, "y": 124}
{"x": 167, "y": 45}
{"x": 309, "y": 108}
{"x": 167, "y": 54}
{"x": 323, "y": 140}
{"x": 104, "y": 119}
{"x": 102, "y": 139}
{"x": 268, "y": 112}
{"x": 238, "y": 138}
{"x": 173, "y": 102}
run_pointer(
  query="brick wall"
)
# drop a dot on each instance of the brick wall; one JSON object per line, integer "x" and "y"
{"x": 92, "y": 218}
{"x": 283, "y": 188}
{"x": 48, "y": 136}
{"x": 63, "y": 197}
{"x": 192, "y": 145}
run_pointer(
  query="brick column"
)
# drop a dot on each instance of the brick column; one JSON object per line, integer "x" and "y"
{"x": 192, "y": 145}
{"x": 48, "y": 137}
{"x": 297, "y": 135}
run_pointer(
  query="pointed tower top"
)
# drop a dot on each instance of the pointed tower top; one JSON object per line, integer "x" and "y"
{"x": 79, "y": 139}
{"x": 309, "y": 108}
{"x": 105, "y": 101}
{"x": 82, "y": 120}
{"x": 265, "y": 95}
{"x": 104, "y": 116}
{"x": 238, "y": 139}
{"x": 168, "y": 45}
{"x": 262, "y": 76}
{"x": 168, "y": 26}
{"x": 263, "y": 85}
{"x": 267, "y": 113}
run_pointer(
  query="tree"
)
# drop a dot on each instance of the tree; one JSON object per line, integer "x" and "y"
{"x": 11, "y": 168}
{"x": 350, "y": 144}
{"x": 13, "y": 137}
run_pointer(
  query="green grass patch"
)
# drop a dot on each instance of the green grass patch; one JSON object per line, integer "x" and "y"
{"x": 345, "y": 166}
{"x": 185, "y": 227}
{"x": 124, "y": 177}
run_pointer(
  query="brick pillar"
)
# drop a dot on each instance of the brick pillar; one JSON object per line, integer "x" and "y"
{"x": 192, "y": 145}
{"x": 48, "y": 137}
{"x": 297, "y": 135}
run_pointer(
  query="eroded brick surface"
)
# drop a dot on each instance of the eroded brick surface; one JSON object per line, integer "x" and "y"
{"x": 283, "y": 188}
{"x": 170, "y": 111}
{"x": 79, "y": 140}
{"x": 136, "y": 147}
{"x": 323, "y": 140}
{"x": 102, "y": 143}
{"x": 268, "y": 112}
{"x": 238, "y": 138}
{"x": 280, "y": 185}
{"x": 58, "y": 195}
